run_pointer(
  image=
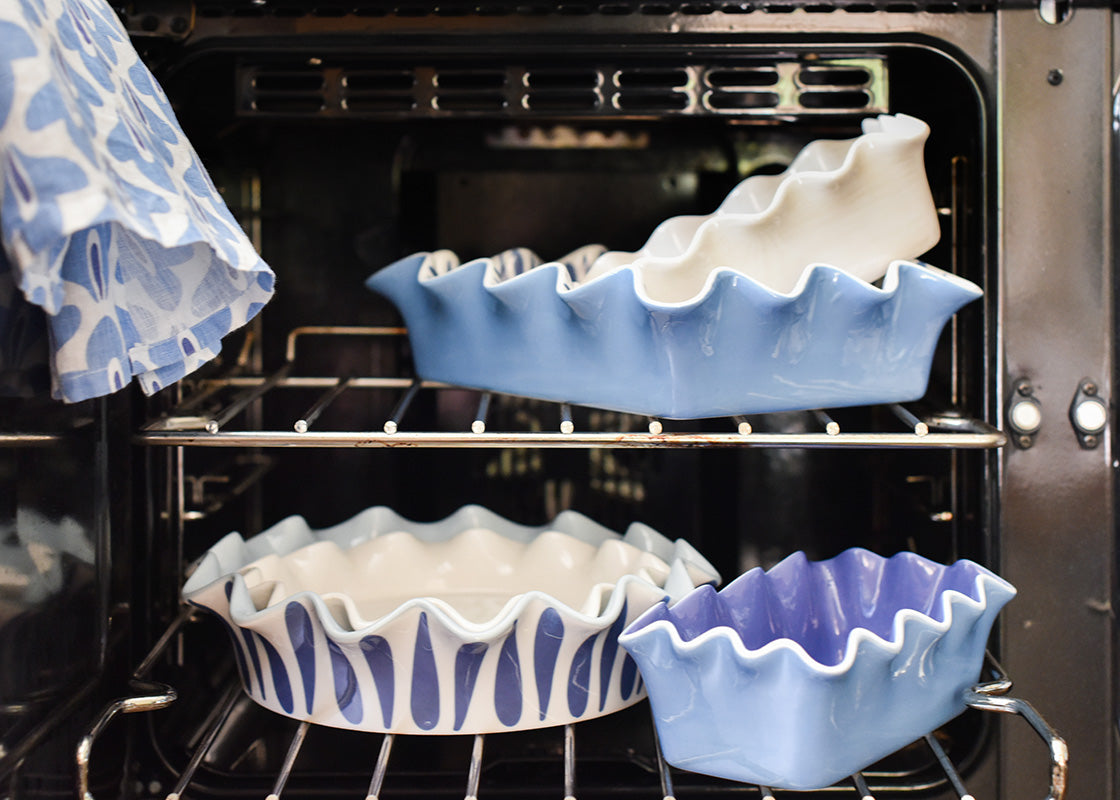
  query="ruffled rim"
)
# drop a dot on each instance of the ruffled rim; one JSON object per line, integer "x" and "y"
{"x": 686, "y": 568}
{"x": 990, "y": 591}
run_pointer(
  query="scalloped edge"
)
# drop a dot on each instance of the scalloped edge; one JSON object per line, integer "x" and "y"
{"x": 293, "y": 533}
{"x": 985, "y": 582}
{"x": 900, "y": 128}
{"x": 898, "y": 139}
{"x": 567, "y": 286}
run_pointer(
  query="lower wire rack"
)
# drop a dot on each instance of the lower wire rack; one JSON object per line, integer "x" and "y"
{"x": 990, "y": 695}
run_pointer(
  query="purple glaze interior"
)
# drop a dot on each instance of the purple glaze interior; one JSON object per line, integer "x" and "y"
{"x": 818, "y": 604}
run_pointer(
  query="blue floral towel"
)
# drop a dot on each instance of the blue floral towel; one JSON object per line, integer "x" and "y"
{"x": 110, "y": 223}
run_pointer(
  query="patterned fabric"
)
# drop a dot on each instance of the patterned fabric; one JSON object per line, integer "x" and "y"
{"x": 110, "y": 224}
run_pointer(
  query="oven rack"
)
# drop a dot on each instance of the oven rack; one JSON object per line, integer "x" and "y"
{"x": 209, "y": 417}
{"x": 989, "y": 695}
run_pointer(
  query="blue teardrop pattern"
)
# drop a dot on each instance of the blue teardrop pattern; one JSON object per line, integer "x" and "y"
{"x": 468, "y": 661}
{"x": 606, "y": 658}
{"x": 346, "y": 690}
{"x": 239, "y": 654}
{"x": 629, "y": 676}
{"x": 579, "y": 677}
{"x": 251, "y": 646}
{"x": 302, "y": 635}
{"x": 379, "y": 657}
{"x": 507, "y": 682}
{"x": 425, "y": 679}
{"x": 280, "y": 681}
{"x": 546, "y": 649}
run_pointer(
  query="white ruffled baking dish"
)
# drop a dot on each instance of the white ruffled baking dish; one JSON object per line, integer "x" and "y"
{"x": 855, "y": 204}
{"x": 472, "y": 624}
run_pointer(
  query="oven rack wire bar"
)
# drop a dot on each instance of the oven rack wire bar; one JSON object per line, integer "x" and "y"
{"x": 990, "y": 695}
{"x": 187, "y": 425}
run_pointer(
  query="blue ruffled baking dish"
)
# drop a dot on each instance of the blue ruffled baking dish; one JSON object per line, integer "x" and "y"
{"x": 512, "y": 324}
{"x": 798, "y": 677}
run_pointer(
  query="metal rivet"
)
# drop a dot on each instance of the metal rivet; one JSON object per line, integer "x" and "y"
{"x": 1025, "y": 442}
{"x": 1089, "y": 388}
{"x": 1054, "y": 77}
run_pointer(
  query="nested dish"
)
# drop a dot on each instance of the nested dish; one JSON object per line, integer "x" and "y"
{"x": 802, "y": 675}
{"x": 511, "y": 324}
{"x": 472, "y": 624}
{"x": 856, "y": 204}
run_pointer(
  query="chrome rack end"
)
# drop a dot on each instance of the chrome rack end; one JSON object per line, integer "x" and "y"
{"x": 149, "y": 697}
{"x": 980, "y": 698}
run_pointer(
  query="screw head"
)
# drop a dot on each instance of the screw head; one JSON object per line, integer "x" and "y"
{"x": 1089, "y": 388}
{"x": 1089, "y": 441}
{"x": 179, "y": 25}
{"x": 1054, "y": 77}
{"x": 1025, "y": 442}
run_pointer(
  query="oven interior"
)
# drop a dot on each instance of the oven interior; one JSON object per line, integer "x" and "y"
{"x": 339, "y": 159}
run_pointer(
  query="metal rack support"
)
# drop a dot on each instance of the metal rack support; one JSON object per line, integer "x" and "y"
{"x": 226, "y": 707}
{"x": 380, "y": 768}
{"x": 474, "y": 773}
{"x": 569, "y": 762}
{"x": 861, "y": 787}
{"x": 289, "y": 761}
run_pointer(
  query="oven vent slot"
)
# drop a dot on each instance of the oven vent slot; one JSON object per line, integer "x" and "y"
{"x": 284, "y": 91}
{"x": 750, "y": 88}
{"x": 570, "y": 90}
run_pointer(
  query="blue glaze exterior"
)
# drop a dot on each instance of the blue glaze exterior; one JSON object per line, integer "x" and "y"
{"x": 738, "y": 348}
{"x": 798, "y": 677}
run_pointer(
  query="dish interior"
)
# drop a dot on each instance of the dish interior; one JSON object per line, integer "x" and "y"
{"x": 819, "y": 604}
{"x": 477, "y": 573}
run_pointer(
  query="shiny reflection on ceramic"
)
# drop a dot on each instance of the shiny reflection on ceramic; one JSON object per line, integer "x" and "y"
{"x": 472, "y": 624}
{"x": 802, "y": 675}
{"x": 856, "y": 204}
{"x": 512, "y": 324}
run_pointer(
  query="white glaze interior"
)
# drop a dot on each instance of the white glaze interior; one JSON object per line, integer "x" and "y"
{"x": 476, "y": 574}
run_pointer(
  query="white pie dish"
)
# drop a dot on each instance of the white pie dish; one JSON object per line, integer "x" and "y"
{"x": 472, "y": 624}
{"x": 855, "y": 204}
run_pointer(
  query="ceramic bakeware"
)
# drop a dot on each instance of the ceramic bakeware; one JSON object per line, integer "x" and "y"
{"x": 856, "y": 204}
{"x": 800, "y": 676}
{"x": 511, "y": 324}
{"x": 472, "y": 624}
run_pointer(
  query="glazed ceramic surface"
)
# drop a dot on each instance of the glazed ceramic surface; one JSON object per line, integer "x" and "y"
{"x": 800, "y": 676}
{"x": 468, "y": 625}
{"x": 856, "y": 204}
{"x": 514, "y": 325}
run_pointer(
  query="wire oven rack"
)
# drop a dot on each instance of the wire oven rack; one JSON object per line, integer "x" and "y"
{"x": 207, "y": 418}
{"x": 989, "y": 695}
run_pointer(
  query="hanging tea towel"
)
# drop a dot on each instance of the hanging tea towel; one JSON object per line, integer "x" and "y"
{"x": 109, "y": 221}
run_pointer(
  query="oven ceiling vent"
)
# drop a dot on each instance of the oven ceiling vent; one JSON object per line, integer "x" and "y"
{"x": 744, "y": 89}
